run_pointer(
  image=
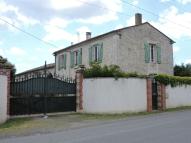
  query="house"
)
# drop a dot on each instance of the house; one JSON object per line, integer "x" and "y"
{"x": 38, "y": 71}
{"x": 141, "y": 48}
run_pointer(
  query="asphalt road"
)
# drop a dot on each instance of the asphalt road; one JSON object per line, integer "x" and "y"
{"x": 172, "y": 127}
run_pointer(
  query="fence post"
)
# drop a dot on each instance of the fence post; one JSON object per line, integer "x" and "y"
{"x": 79, "y": 89}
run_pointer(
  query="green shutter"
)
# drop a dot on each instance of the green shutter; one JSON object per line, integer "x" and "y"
{"x": 65, "y": 57}
{"x": 90, "y": 55}
{"x": 71, "y": 59}
{"x": 80, "y": 56}
{"x": 100, "y": 51}
{"x": 158, "y": 54}
{"x": 147, "y": 52}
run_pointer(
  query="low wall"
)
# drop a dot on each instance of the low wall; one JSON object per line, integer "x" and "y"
{"x": 178, "y": 96}
{"x": 107, "y": 95}
{"x": 3, "y": 98}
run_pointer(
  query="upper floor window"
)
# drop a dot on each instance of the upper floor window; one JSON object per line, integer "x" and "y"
{"x": 152, "y": 53}
{"x": 62, "y": 61}
{"x": 76, "y": 57}
{"x": 96, "y": 53}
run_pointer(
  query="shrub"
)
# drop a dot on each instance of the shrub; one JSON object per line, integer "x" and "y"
{"x": 173, "y": 80}
{"x": 96, "y": 70}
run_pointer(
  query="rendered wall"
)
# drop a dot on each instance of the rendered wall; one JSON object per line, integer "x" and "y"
{"x": 178, "y": 96}
{"x": 107, "y": 95}
{"x": 3, "y": 98}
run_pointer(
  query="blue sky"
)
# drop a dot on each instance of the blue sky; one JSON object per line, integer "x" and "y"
{"x": 57, "y": 23}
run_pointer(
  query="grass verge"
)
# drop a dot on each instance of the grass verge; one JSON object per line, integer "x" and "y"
{"x": 14, "y": 122}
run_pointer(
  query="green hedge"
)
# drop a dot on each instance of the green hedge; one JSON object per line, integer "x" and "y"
{"x": 96, "y": 70}
{"x": 173, "y": 80}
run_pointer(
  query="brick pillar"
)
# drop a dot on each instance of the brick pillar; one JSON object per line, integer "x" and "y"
{"x": 159, "y": 93}
{"x": 7, "y": 72}
{"x": 79, "y": 90}
{"x": 161, "y": 89}
{"x": 149, "y": 95}
{"x": 163, "y": 97}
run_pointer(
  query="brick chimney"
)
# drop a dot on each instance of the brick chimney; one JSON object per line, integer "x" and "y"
{"x": 138, "y": 18}
{"x": 88, "y": 35}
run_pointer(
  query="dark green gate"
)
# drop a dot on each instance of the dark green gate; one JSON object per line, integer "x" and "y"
{"x": 42, "y": 94}
{"x": 154, "y": 95}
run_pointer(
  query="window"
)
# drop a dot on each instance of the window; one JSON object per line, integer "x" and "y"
{"x": 96, "y": 53}
{"x": 62, "y": 61}
{"x": 152, "y": 53}
{"x": 75, "y": 57}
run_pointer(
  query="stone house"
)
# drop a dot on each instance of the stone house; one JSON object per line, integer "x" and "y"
{"x": 141, "y": 48}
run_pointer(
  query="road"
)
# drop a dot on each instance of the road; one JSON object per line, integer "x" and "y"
{"x": 169, "y": 127}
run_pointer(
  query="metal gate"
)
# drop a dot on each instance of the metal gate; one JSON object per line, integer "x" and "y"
{"x": 154, "y": 95}
{"x": 42, "y": 94}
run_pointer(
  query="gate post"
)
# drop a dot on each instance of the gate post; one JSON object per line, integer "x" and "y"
{"x": 149, "y": 94}
{"x": 79, "y": 89}
{"x": 7, "y": 72}
{"x": 161, "y": 96}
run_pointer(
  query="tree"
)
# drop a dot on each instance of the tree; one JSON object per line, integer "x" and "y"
{"x": 182, "y": 70}
{"x": 5, "y": 64}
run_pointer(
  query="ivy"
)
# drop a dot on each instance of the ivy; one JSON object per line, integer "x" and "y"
{"x": 96, "y": 70}
{"x": 173, "y": 80}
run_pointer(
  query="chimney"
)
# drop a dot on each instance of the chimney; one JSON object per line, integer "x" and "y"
{"x": 138, "y": 19}
{"x": 88, "y": 35}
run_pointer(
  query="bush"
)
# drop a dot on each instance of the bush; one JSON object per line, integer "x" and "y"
{"x": 96, "y": 70}
{"x": 173, "y": 80}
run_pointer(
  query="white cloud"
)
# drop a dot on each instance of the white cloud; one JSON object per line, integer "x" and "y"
{"x": 119, "y": 26}
{"x": 12, "y": 15}
{"x": 110, "y": 12}
{"x": 58, "y": 22}
{"x": 184, "y": 1}
{"x": 55, "y": 31}
{"x": 165, "y": 0}
{"x": 57, "y": 34}
{"x": 17, "y": 51}
{"x": 64, "y": 4}
{"x": 176, "y": 49}
{"x": 173, "y": 23}
{"x": 2, "y": 52}
{"x": 135, "y": 2}
{"x": 188, "y": 61}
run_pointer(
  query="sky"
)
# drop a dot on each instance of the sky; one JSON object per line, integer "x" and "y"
{"x": 31, "y": 30}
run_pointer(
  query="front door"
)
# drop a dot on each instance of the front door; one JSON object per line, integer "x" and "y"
{"x": 154, "y": 95}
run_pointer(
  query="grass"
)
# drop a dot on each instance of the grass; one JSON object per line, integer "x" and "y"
{"x": 60, "y": 122}
{"x": 178, "y": 109}
{"x": 87, "y": 116}
{"x": 14, "y": 122}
